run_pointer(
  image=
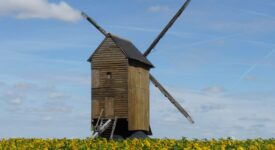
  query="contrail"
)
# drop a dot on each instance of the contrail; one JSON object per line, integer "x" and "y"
{"x": 215, "y": 39}
{"x": 243, "y": 75}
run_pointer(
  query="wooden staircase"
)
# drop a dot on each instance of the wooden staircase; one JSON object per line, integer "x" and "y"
{"x": 104, "y": 127}
{"x": 109, "y": 132}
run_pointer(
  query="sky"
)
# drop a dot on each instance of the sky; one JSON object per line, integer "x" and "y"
{"x": 218, "y": 61}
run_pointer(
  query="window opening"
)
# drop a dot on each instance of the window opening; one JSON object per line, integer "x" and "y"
{"x": 109, "y": 75}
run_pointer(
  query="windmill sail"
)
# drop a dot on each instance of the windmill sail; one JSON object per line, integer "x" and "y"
{"x": 171, "y": 98}
{"x": 93, "y": 22}
{"x": 154, "y": 81}
{"x": 147, "y": 52}
{"x": 168, "y": 26}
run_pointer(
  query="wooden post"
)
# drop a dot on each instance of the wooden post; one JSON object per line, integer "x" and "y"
{"x": 96, "y": 126}
{"x": 113, "y": 129}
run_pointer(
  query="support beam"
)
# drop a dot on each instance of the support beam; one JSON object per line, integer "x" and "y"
{"x": 102, "y": 128}
{"x": 113, "y": 129}
{"x": 171, "y": 98}
{"x": 167, "y": 27}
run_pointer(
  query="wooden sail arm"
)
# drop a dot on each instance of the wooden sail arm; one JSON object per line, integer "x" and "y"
{"x": 94, "y": 23}
{"x": 171, "y": 98}
{"x": 167, "y": 27}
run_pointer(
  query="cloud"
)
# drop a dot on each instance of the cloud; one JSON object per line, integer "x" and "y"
{"x": 250, "y": 78}
{"x": 252, "y": 12}
{"x": 39, "y": 9}
{"x": 13, "y": 99}
{"x": 257, "y": 26}
{"x": 14, "y": 95}
{"x": 143, "y": 29}
{"x": 255, "y": 119}
{"x": 214, "y": 116}
{"x": 151, "y": 30}
{"x": 211, "y": 107}
{"x": 246, "y": 73}
{"x": 2, "y": 84}
{"x": 52, "y": 108}
{"x": 217, "y": 40}
{"x": 214, "y": 90}
{"x": 47, "y": 118}
{"x": 251, "y": 22}
{"x": 58, "y": 96}
{"x": 157, "y": 8}
{"x": 24, "y": 86}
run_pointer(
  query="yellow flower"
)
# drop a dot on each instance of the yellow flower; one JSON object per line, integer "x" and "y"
{"x": 240, "y": 148}
{"x": 147, "y": 143}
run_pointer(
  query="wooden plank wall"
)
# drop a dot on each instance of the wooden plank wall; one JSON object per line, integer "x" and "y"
{"x": 138, "y": 98}
{"x": 109, "y": 58}
{"x": 109, "y": 107}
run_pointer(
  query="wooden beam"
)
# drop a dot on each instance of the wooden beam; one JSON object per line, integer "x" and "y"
{"x": 113, "y": 129}
{"x": 94, "y": 23}
{"x": 171, "y": 98}
{"x": 96, "y": 126}
{"x": 168, "y": 26}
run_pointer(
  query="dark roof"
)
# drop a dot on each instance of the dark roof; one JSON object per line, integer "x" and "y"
{"x": 129, "y": 49}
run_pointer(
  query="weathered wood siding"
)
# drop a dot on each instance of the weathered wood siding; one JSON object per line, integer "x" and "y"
{"x": 107, "y": 93}
{"x": 138, "y": 98}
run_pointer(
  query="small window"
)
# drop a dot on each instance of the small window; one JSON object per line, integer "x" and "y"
{"x": 109, "y": 75}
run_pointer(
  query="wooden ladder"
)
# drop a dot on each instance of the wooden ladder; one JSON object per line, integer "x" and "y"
{"x": 104, "y": 127}
{"x": 113, "y": 128}
{"x": 98, "y": 121}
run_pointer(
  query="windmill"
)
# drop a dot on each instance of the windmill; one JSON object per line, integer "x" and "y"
{"x": 120, "y": 85}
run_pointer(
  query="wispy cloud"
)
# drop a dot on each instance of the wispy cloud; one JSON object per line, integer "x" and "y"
{"x": 258, "y": 13}
{"x": 262, "y": 25}
{"x": 2, "y": 84}
{"x": 24, "y": 86}
{"x": 214, "y": 89}
{"x": 246, "y": 74}
{"x": 41, "y": 45}
{"x": 51, "y": 108}
{"x": 210, "y": 107}
{"x": 58, "y": 96}
{"x": 45, "y": 105}
{"x": 246, "y": 21}
{"x": 158, "y": 8}
{"x": 223, "y": 116}
{"x": 144, "y": 29}
{"x": 251, "y": 68}
{"x": 135, "y": 28}
{"x": 218, "y": 40}
{"x": 250, "y": 78}
{"x": 255, "y": 119}
{"x": 258, "y": 42}
{"x": 19, "y": 92}
{"x": 39, "y": 9}
{"x": 13, "y": 99}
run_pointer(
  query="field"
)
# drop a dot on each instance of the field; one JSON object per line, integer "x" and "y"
{"x": 159, "y": 144}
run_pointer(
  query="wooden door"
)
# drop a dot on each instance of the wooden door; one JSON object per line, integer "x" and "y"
{"x": 109, "y": 107}
{"x": 95, "y": 78}
{"x": 95, "y": 108}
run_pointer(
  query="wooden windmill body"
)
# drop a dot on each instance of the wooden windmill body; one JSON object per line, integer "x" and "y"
{"x": 120, "y": 86}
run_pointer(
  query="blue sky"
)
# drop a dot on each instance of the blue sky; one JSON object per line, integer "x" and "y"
{"x": 218, "y": 60}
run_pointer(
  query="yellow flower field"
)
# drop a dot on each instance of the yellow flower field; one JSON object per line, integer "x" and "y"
{"x": 158, "y": 144}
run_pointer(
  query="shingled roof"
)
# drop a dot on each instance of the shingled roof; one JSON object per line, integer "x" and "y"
{"x": 129, "y": 49}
